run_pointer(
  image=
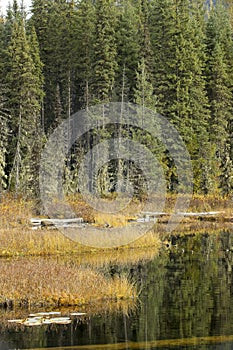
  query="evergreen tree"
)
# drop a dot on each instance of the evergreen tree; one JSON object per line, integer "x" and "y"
{"x": 4, "y": 120}
{"x": 128, "y": 50}
{"x": 24, "y": 99}
{"x": 179, "y": 82}
{"x": 220, "y": 83}
{"x": 146, "y": 100}
{"x": 53, "y": 22}
{"x": 105, "y": 64}
{"x": 83, "y": 52}
{"x": 146, "y": 52}
{"x": 38, "y": 66}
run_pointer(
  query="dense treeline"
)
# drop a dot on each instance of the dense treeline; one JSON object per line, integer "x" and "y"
{"x": 172, "y": 56}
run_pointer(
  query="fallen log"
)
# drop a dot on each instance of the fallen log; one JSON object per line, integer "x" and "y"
{"x": 148, "y": 216}
{"x": 40, "y": 222}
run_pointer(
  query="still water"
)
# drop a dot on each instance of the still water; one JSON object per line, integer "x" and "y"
{"x": 186, "y": 302}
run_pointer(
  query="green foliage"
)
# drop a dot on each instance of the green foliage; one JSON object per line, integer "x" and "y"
{"x": 24, "y": 95}
{"x": 219, "y": 86}
{"x": 179, "y": 80}
{"x": 128, "y": 50}
{"x": 104, "y": 63}
{"x": 4, "y": 119}
{"x": 83, "y": 42}
{"x": 172, "y": 56}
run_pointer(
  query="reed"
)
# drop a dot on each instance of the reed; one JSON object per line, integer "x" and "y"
{"x": 45, "y": 282}
{"x": 26, "y": 242}
{"x": 18, "y": 239}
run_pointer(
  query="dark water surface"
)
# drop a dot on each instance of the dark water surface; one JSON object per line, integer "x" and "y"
{"x": 186, "y": 296}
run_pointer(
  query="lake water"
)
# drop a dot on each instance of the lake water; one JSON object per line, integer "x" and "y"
{"x": 186, "y": 302}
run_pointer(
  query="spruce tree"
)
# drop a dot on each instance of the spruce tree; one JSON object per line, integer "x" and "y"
{"x": 179, "y": 82}
{"x": 4, "y": 130}
{"x": 220, "y": 81}
{"x": 104, "y": 62}
{"x": 83, "y": 43}
{"x": 53, "y": 22}
{"x": 24, "y": 100}
{"x": 146, "y": 100}
{"x": 128, "y": 50}
{"x": 3, "y": 117}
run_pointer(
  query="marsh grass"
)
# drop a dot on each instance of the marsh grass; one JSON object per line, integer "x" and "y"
{"x": 15, "y": 212}
{"x": 202, "y": 203}
{"x": 111, "y": 220}
{"x": 198, "y": 203}
{"x": 18, "y": 239}
{"x": 44, "y": 282}
{"x": 25, "y": 242}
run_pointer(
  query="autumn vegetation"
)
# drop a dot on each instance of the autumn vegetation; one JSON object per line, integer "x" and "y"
{"x": 43, "y": 283}
{"x": 174, "y": 58}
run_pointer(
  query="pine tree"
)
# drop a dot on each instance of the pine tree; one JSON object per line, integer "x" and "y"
{"x": 83, "y": 52}
{"x": 24, "y": 99}
{"x": 3, "y": 116}
{"x": 105, "y": 64}
{"x": 38, "y": 66}
{"x": 128, "y": 50}
{"x": 220, "y": 82}
{"x": 144, "y": 95}
{"x": 146, "y": 52}
{"x": 4, "y": 120}
{"x": 104, "y": 68}
{"x": 53, "y": 22}
{"x": 179, "y": 81}
{"x": 146, "y": 100}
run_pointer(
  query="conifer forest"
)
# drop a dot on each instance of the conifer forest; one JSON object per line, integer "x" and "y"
{"x": 174, "y": 57}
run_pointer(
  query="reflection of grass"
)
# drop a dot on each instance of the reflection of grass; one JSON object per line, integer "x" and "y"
{"x": 125, "y": 306}
{"x": 119, "y": 257}
{"x": 48, "y": 283}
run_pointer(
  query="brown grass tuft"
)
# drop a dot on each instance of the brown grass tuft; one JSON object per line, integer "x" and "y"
{"x": 48, "y": 283}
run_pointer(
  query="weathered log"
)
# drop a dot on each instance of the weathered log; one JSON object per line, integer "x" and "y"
{"x": 37, "y": 222}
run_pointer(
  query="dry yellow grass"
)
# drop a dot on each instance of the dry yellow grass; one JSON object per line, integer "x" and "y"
{"x": 111, "y": 220}
{"x": 16, "y": 237}
{"x": 26, "y": 242}
{"x": 15, "y": 212}
{"x": 41, "y": 282}
{"x": 202, "y": 203}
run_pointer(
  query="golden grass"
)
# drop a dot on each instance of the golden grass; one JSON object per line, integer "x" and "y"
{"x": 43, "y": 282}
{"x": 15, "y": 212}
{"x": 110, "y": 220}
{"x": 26, "y": 242}
{"x": 198, "y": 203}
{"x": 202, "y": 203}
{"x": 18, "y": 239}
